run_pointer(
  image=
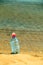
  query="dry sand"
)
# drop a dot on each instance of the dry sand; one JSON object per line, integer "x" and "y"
{"x": 20, "y": 59}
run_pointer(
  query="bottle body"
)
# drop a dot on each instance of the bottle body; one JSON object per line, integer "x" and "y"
{"x": 15, "y": 48}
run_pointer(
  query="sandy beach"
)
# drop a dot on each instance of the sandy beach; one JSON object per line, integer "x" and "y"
{"x": 29, "y": 55}
{"x": 20, "y": 59}
{"x": 26, "y": 21}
